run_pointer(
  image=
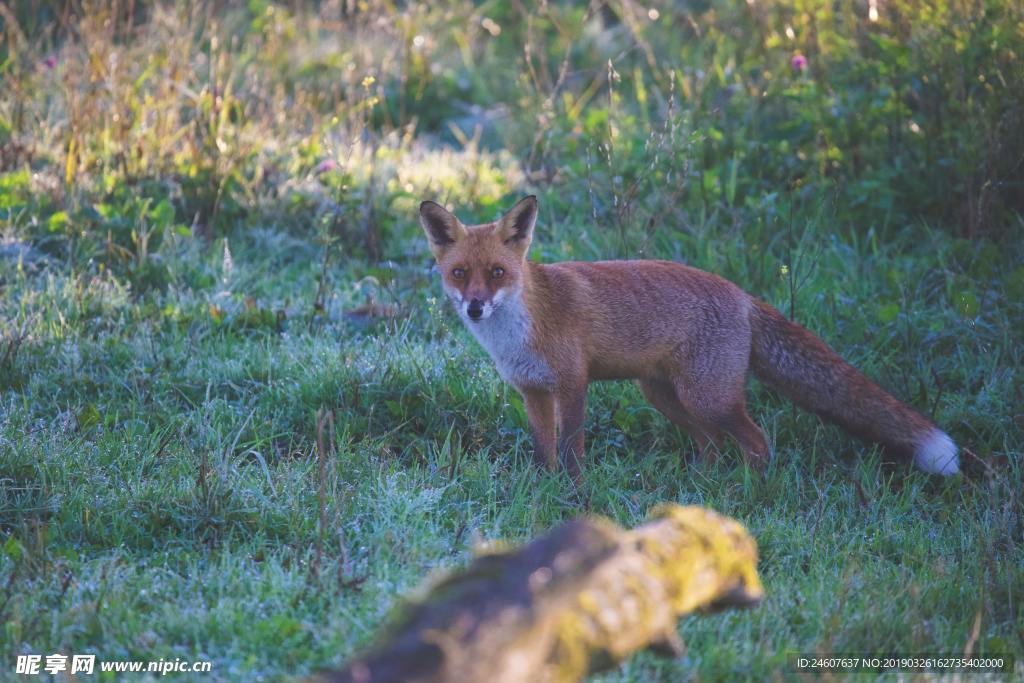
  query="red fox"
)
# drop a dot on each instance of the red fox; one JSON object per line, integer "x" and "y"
{"x": 688, "y": 337}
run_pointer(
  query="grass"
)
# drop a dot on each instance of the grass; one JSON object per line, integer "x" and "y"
{"x": 166, "y": 349}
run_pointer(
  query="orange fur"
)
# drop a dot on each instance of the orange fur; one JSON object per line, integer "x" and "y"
{"x": 688, "y": 337}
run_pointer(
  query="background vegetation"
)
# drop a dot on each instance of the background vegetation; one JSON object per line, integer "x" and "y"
{"x": 237, "y": 421}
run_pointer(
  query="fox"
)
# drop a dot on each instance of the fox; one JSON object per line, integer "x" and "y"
{"x": 689, "y": 338}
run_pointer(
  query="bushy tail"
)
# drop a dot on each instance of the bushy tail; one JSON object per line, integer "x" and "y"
{"x": 803, "y": 368}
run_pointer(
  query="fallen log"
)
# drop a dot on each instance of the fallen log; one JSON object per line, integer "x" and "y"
{"x": 573, "y": 602}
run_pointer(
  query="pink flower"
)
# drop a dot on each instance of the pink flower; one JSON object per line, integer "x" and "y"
{"x": 326, "y": 165}
{"x": 50, "y": 62}
{"x": 798, "y": 63}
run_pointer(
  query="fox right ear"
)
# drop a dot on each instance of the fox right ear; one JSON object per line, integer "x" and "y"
{"x": 442, "y": 227}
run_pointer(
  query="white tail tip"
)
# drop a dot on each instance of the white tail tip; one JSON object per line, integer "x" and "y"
{"x": 937, "y": 454}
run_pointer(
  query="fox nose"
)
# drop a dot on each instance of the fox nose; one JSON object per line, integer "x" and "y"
{"x": 475, "y": 309}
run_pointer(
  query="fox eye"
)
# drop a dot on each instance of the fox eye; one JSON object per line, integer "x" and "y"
{"x": 458, "y": 273}
{"x": 497, "y": 272}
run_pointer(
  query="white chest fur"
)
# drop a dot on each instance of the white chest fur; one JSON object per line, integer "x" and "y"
{"x": 505, "y": 333}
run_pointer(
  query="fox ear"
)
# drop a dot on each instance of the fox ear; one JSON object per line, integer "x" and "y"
{"x": 516, "y": 227}
{"x": 442, "y": 227}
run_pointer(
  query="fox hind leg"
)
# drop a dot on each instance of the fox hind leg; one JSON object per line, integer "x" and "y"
{"x": 737, "y": 423}
{"x": 712, "y": 390}
{"x": 662, "y": 395}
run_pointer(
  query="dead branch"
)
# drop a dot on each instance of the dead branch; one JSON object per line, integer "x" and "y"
{"x": 573, "y": 602}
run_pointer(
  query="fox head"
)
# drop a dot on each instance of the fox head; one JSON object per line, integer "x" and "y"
{"x": 481, "y": 266}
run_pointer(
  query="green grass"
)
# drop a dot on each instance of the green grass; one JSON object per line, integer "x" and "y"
{"x": 159, "y": 471}
{"x": 160, "y": 479}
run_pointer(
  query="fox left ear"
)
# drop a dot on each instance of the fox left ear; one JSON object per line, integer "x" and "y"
{"x": 516, "y": 227}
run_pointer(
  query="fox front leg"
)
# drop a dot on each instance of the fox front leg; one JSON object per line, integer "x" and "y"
{"x": 572, "y": 404}
{"x": 540, "y": 413}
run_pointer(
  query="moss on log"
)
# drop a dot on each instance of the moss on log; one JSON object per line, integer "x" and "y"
{"x": 573, "y": 602}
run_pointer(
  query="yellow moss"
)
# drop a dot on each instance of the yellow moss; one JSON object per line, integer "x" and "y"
{"x": 581, "y": 598}
{"x": 695, "y": 556}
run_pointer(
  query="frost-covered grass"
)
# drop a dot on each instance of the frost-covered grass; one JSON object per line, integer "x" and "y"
{"x": 160, "y": 479}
